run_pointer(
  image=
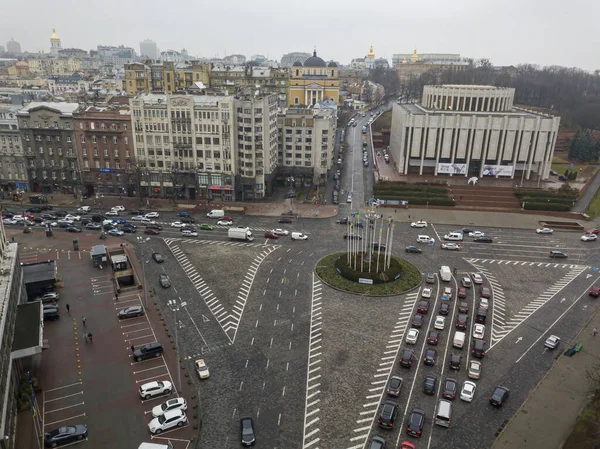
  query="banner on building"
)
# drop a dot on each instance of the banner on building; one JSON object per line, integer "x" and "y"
{"x": 452, "y": 169}
{"x": 498, "y": 170}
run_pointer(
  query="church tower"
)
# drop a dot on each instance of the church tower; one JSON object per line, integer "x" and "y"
{"x": 54, "y": 43}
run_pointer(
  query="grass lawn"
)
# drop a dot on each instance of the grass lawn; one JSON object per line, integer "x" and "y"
{"x": 411, "y": 277}
{"x": 560, "y": 165}
{"x": 593, "y": 209}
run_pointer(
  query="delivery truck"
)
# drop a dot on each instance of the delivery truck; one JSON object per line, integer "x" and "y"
{"x": 240, "y": 234}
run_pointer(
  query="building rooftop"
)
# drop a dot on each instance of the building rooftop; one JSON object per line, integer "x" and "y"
{"x": 199, "y": 100}
{"x": 28, "y": 329}
{"x": 62, "y": 107}
{"x": 417, "y": 109}
{"x": 38, "y": 272}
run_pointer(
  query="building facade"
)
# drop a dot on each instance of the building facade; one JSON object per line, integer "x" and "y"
{"x": 48, "y": 136}
{"x": 105, "y": 151}
{"x": 116, "y": 56}
{"x": 13, "y": 47}
{"x": 54, "y": 66}
{"x": 288, "y": 60}
{"x": 404, "y": 58}
{"x": 472, "y": 131}
{"x": 165, "y": 77}
{"x": 59, "y": 85}
{"x": 184, "y": 146}
{"x": 366, "y": 63}
{"x": 256, "y": 119}
{"x": 306, "y": 144}
{"x": 148, "y": 49}
{"x": 313, "y": 82}
{"x": 13, "y": 174}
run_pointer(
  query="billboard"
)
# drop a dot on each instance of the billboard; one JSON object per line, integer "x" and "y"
{"x": 498, "y": 170}
{"x": 451, "y": 169}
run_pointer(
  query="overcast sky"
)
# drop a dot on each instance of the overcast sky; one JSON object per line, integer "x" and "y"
{"x": 550, "y": 32}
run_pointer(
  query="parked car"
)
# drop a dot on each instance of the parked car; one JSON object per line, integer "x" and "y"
{"x": 412, "y": 336}
{"x": 394, "y": 386}
{"x": 474, "y": 369}
{"x": 172, "y": 418}
{"x": 131, "y": 312}
{"x": 450, "y": 388}
{"x": 115, "y": 232}
{"x": 430, "y": 384}
{"x": 544, "y": 231}
{"x": 413, "y": 249}
{"x": 73, "y": 229}
{"x": 167, "y": 406}
{"x": 388, "y": 413}
{"x": 151, "y": 231}
{"x": 48, "y": 297}
{"x": 147, "y": 351}
{"x": 499, "y": 396}
{"x": 468, "y": 391}
{"x": 155, "y": 388}
{"x": 65, "y": 434}
{"x": 416, "y": 422}
{"x": 284, "y": 220}
{"x": 418, "y": 224}
{"x": 247, "y": 431}
{"x": 202, "y": 369}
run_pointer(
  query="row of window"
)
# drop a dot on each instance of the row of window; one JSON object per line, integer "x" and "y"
{"x": 38, "y": 138}
{"x": 51, "y": 163}
{"x": 106, "y": 152}
{"x": 198, "y": 115}
{"x": 94, "y": 125}
{"x": 115, "y": 139}
{"x": 36, "y": 124}
{"x": 9, "y": 139}
{"x": 107, "y": 164}
{"x": 70, "y": 152}
{"x": 63, "y": 175}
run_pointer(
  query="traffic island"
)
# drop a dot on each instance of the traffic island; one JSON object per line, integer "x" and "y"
{"x": 353, "y": 275}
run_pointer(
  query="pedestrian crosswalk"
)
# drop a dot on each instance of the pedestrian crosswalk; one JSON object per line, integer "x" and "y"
{"x": 169, "y": 241}
{"x": 167, "y": 225}
{"x": 526, "y": 263}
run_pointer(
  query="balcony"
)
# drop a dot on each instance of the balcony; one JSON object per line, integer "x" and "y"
{"x": 30, "y": 154}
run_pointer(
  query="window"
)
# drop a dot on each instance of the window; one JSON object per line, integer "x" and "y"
{"x": 107, "y": 164}
{"x": 58, "y": 138}
{"x": 48, "y": 138}
{"x": 68, "y": 139}
{"x": 36, "y": 124}
{"x": 93, "y": 139}
{"x": 125, "y": 126}
{"x": 126, "y": 140}
{"x": 82, "y": 139}
{"x": 41, "y": 150}
{"x": 103, "y": 139}
{"x": 80, "y": 125}
{"x": 113, "y": 126}
{"x": 86, "y": 163}
{"x": 84, "y": 150}
{"x": 106, "y": 152}
{"x": 95, "y": 151}
{"x": 102, "y": 125}
{"x": 97, "y": 164}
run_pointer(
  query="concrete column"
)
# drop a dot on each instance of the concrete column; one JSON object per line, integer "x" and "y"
{"x": 305, "y": 97}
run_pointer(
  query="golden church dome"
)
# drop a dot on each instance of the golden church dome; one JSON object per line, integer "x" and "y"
{"x": 371, "y": 53}
{"x": 54, "y": 37}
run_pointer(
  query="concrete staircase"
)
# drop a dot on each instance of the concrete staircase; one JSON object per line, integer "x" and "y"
{"x": 485, "y": 198}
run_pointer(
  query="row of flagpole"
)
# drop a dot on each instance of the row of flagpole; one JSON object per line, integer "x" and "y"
{"x": 362, "y": 231}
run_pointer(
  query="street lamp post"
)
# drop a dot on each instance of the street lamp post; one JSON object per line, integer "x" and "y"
{"x": 142, "y": 241}
{"x": 175, "y": 308}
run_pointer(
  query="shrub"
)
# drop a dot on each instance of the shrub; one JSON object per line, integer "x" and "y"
{"x": 547, "y": 206}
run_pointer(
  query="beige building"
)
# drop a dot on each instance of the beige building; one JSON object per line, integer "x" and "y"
{"x": 165, "y": 77}
{"x": 472, "y": 131}
{"x": 306, "y": 144}
{"x": 229, "y": 79}
{"x": 13, "y": 173}
{"x": 54, "y": 66}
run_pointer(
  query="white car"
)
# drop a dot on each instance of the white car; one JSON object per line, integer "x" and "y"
{"x": 9, "y": 221}
{"x": 171, "y": 404}
{"x": 152, "y": 215}
{"x": 479, "y": 331}
{"x": 484, "y": 303}
{"x": 418, "y": 224}
{"x": 65, "y": 220}
{"x": 477, "y": 279}
{"x": 468, "y": 391}
{"x": 73, "y": 217}
{"x": 18, "y": 218}
{"x": 544, "y": 231}
{"x": 173, "y": 418}
{"x": 589, "y": 237}
{"x": 202, "y": 369}
{"x": 112, "y": 213}
{"x": 189, "y": 233}
{"x": 177, "y": 224}
{"x": 118, "y": 208}
{"x": 412, "y": 336}
{"x": 349, "y": 199}
{"x": 440, "y": 322}
{"x": 51, "y": 223}
{"x": 450, "y": 246}
{"x": 155, "y": 388}
{"x": 138, "y": 218}
{"x": 552, "y": 342}
{"x": 476, "y": 234}
{"x": 426, "y": 292}
{"x": 447, "y": 292}
{"x": 224, "y": 222}
{"x": 280, "y": 232}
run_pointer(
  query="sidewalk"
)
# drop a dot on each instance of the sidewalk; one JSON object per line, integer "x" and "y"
{"x": 550, "y": 413}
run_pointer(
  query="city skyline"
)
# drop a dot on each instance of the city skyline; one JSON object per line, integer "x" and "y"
{"x": 535, "y": 36}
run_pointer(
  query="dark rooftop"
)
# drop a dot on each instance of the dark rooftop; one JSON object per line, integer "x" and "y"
{"x": 27, "y": 326}
{"x": 38, "y": 272}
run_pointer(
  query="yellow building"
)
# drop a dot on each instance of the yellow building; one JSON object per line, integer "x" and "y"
{"x": 313, "y": 82}
{"x": 164, "y": 77}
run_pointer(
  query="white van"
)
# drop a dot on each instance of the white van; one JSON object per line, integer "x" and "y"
{"x": 459, "y": 339}
{"x": 445, "y": 273}
{"x": 423, "y": 239}
{"x": 299, "y": 236}
{"x": 454, "y": 236}
{"x": 216, "y": 213}
{"x": 443, "y": 413}
{"x": 169, "y": 445}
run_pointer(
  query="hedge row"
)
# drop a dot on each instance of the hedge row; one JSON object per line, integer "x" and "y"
{"x": 398, "y": 188}
{"x": 436, "y": 201}
{"x": 557, "y": 199}
{"x": 389, "y": 275}
{"x": 547, "y": 206}
{"x": 543, "y": 194}
{"x": 407, "y": 195}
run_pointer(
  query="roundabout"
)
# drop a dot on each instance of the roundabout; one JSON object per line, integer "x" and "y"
{"x": 351, "y": 274}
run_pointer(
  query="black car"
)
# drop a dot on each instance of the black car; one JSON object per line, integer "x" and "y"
{"x": 93, "y": 226}
{"x": 478, "y": 349}
{"x": 73, "y": 229}
{"x": 285, "y": 220}
{"x": 450, "y": 387}
{"x": 158, "y": 258}
{"x": 247, "y": 431}
{"x": 33, "y": 210}
{"x": 64, "y": 225}
{"x": 377, "y": 443}
{"x": 51, "y": 313}
{"x": 8, "y": 215}
{"x": 423, "y": 306}
{"x": 430, "y": 384}
{"x": 65, "y": 434}
{"x": 499, "y": 396}
{"x": 483, "y": 239}
{"x": 455, "y": 361}
{"x": 416, "y": 422}
{"x": 109, "y": 226}
{"x": 394, "y": 386}
{"x": 129, "y": 229}
{"x": 85, "y": 221}
{"x": 379, "y": 246}
{"x": 187, "y": 220}
{"x": 413, "y": 249}
{"x": 147, "y": 351}
{"x": 481, "y": 315}
{"x": 388, "y": 414}
{"x": 154, "y": 226}
{"x": 417, "y": 321}
{"x": 433, "y": 337}
{"x": 38, "y": 220}
{"x": 61, "y": 213}
{"x": 131, "y": 312}
{"x": 558, "y": 255}
{"x": 444, "y": 308}
{"x": 406, "y": 358}
{"x": 465, "y": 230}
{"x": 461, "y": 321}
{"x": 137, "y": 212}
{"x": 430, "y": 357}
{"x": 164, "y": 280}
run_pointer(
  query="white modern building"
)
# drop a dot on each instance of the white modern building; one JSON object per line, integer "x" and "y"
{"x": 149, "y": 49}
{"x": 472, "y": 131}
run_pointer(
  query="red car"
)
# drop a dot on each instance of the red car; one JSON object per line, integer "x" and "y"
{"x": 151, "y": 231}
{"x": 462, "y": 292}
{"x": 271, "y": 235}
{"x": 595, "y": 292}
{"x": 486, "y": 292}
{"x": 227, "y": 218}
{"x": 593, "y": 231}
{"x": 28, "y": 215}
{"x": 407, "y": 445}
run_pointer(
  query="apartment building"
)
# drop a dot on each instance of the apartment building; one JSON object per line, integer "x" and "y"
{"x": 54, "y": 66}
{"x": 48, "y": 136}
{"x": 256, "y": 119}
{"x": 115, "y": 56}
{"x": 229, "y": 79}
{"x": 165, "y": 77}
{"x": 105, "y": 150}
{"x": 306, "y": 144}
{"x": 184, "y": 145}
{"x": 13, "y": 174}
